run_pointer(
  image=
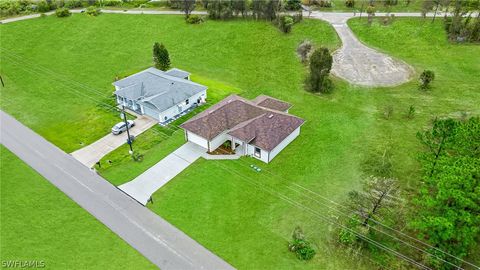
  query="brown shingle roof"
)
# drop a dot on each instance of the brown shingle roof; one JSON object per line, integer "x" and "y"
{"x": 272, "y": 103}
{"x": 268, "y": 130}
{"x": 243, "y": 119}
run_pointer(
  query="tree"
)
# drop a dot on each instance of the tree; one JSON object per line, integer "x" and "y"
{"x": 371, "y": 13}
{"x": 265, "y": 9}
{"x": 350, "y": 3}
{"x": 447, "y": 208}
{"x": 219, "y": 9}
{"x": 437, "y": 140}
{"x": 320, "y": 65}
{"x": 378, "y": 193}
{"x": 304, "y": 49}
{"x": 293, "y": 5}
{"x": 161, "y": 57}
{"x": 426, "y": 78}
{"x": 240, "y": 7}
{"x": 187, "y": 6}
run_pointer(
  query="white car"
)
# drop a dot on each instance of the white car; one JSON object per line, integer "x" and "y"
{"x": 121, "y": 127}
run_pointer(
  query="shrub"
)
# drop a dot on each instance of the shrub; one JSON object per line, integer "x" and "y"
{"x": 194, "y": 19}
{"x": 426, "y": 78}
{"x": 43, "y": 6}
{"x": 293, "y": 5}
{"x": 350, "y": 3}
{"x": 304, "y": 49}
{"x": 285, "y": 23}
{"x": 62, "y": 12}
{"x": 302, "y": 248}
{"x": 93, "y": 11}
{"x": 73, "y": 4}
{"x": 320, "y": 64}
{"x": 112, "y": 3}
{"x": 324, "y": 3}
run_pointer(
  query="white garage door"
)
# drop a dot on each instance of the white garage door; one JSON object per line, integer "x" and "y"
{"x": 197, "y": 139}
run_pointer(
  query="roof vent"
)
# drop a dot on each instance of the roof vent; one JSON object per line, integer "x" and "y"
{"x": 270, "y": 116}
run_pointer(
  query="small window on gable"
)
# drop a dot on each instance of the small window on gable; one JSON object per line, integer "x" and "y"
{"x": 187, "y": 101}
{"x": 257, "y": 152}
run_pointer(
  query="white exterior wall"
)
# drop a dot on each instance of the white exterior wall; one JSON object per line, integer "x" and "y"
{"x": 263, "y": 154}
{"x": 150, "y": 112}
{"x": 192, "y": 137}
{"x": 284, "y": 143}
{"x": 219, "y": 140}
{"x": 172, "y": 111}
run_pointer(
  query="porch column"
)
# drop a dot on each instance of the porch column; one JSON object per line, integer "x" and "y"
{"x": 233, "y": 144}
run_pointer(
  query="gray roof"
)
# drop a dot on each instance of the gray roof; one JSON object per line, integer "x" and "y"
{"x": 175, "y": 72}
{"x": 157, "y": 88}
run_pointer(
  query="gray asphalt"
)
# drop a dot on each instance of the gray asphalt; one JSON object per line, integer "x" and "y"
{"x": 160, "y": 242}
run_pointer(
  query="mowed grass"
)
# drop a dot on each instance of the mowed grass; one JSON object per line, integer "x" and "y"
{"x": 41, "y": 223}
{"x": 58, "y": 72}
{"x": 247, "y": 217}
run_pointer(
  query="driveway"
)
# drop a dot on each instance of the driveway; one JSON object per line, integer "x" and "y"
{"x": 142, "y": 187}
{"x": 359, "y": 64}
{"x": 91, "y": 154}
{"x": 156, "y": 239}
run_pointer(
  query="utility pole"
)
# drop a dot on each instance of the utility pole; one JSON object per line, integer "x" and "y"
{"x": 128, "y": 131}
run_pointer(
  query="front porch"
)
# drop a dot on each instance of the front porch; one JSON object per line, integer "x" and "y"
{"x": 130, "y": 104}
{"x": 230, "y": 147}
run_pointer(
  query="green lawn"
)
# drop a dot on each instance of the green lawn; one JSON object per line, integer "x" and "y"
{"x": 239, "y": 214}
{"x": 40, "y": 223}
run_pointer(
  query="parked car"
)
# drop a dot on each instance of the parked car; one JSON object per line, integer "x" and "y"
{"x": 121, "y": 127}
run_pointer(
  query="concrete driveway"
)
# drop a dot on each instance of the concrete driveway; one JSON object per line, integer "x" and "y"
{"x": 142, "y": 187}
{"x": 91, "y": 154}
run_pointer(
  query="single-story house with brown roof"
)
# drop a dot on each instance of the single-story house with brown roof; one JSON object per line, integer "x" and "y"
{"x": 260, "y": 128}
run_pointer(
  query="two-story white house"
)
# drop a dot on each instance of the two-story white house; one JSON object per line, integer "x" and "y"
{"x": 161, "y": 95}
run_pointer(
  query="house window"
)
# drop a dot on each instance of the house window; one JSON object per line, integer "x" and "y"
{"x": 257, "y": 152}
{"x": 187, "y": 101}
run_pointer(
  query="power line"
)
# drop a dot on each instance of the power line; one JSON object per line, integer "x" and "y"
{"x": 315, "y": 213}
{"x": 166, "y": 136}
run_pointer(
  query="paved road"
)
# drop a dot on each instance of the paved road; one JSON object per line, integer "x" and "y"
{"x": 91, "y": 154}
{"x": 142, "y": 187}
{"x": 160, "y": 242}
